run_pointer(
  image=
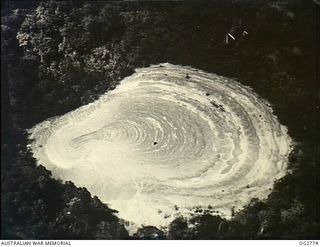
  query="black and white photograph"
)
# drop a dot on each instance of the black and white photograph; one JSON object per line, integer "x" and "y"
{"x": 160, "y": 120}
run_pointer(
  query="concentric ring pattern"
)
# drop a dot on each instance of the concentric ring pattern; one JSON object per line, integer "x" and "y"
{"x": 167, "y": 139}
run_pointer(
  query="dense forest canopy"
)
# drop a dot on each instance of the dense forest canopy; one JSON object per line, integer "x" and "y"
{"x": 59, "y": 55}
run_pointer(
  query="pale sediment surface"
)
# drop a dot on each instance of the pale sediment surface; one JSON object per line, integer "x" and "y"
{"x": 168, "y": 135}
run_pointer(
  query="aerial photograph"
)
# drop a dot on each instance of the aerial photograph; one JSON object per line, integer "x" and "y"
{"x": 160, "y": 120}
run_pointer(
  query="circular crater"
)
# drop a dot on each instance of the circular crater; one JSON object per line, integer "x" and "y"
{"x": 167, "y": 139}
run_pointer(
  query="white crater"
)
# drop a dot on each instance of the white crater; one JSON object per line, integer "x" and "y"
{"x": 166, "y": 140}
